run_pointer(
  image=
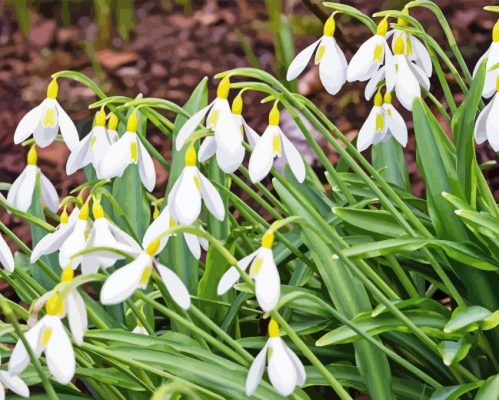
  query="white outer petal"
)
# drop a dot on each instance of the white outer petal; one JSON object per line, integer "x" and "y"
{"x": 281, "y": 369}
{"x": 362, "y": 60}
{"x": 211, "y": 197}
{"x": 396, "y": 124}
{"x": 190, "y": 126}
{"x": 231, "y": 276}
{"x": 6, "y": 257}
{"x": 146, "y": 167}
{"x": 492, "y": 125}
{"x": 407, "y": 86}
{"x": 157, "y": 227}
{"x": 256, "y": 371}
{"x": 294, "y": 158}
{"x": 48, "y": 193}
{"x": 262, "y": 157}
{"x": 422, "y": 57}
{"x": 193, "y": 244}
{"x": 372, "y": 85}
{"x": 481, "y": 123}
{"x": 28, "y": 124}
{"x": 79, "y": 156}
{"x": 77, "y": 316}
{"x": 175, "y": 286}
{"x": 24, "y": 193}
{"x": 207, "y": 149}
{"x": 301, "y": 60}
{"x": 251, "y": 134}
{"x": 14, "y": 383}
{"x": 19, "y": 358}
{"x": 267, "y": 281}
{"x": 301, "y": 375}
{"x": 333, "y": 66}
{"x": 185, "y": 198}
{"x": 365, "y": 137}
{"x": 67, "y": 127}
{"x": 117, "y": 157}
{"x": 59, "y": 352}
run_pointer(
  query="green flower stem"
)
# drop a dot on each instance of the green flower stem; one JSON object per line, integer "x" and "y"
{"x": 25, "y": 215}
{"x": 403, "y": 277}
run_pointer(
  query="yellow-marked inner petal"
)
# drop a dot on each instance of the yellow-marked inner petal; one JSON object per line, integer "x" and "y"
{"x": 212, "y": 121}
{"x": 276, "y": 145}
{"x": 197, "y": 182}
{"x": 146, "y": 275}
{"x": 52, "y": 89}
{"x": 269, "y": 352}
{"x": 380, "y": 122}
{"x": 68, "y": 274}
{"x": 378, "y": 53}
{"x": 92, "y": 142}
{"x": 55, "y": 305}
{"x": 273, "y": 329}
{"x": 255, "y": 267}
{"x": 134, "y": 153}
{"x": 32, "y": 157}
{"x": 320, "y": 53}
{"x": 49, "y": 118}
{"x": 268, "y": 240}
{"x": 45, "y": 336}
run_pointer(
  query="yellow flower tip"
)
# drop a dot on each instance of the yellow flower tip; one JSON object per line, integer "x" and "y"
{"x": 274, "y": 116}
{"x": 112, "y": 124}
{"x": 274, "y": 330}
{"x": 132, "y": 123}
{"x": 64, "y": 216}
{"x": 382, "y": 27}
{"x": 68, "y": 274}
{"x": 400, "y": 21}
{"x": 495, "y": 32}
{"x": 54, "y": 305}
{"x": 268, "y": 240}
{"x": 32, "y": 157}
{"x": 398, "y": 47}
{"x": 388, "y": 98}
{"x": 190, "y": 157}
{"x": 98, "y": 210}
{"x": 223, "y": 88}
{"x": 84, "y": 211}
{"x": 237, "y": 105}
{"x": 100, "y": 118}
{"x": 152, "y": 248}
{"x": 378, "y": 99}
{"x": 329, "y": 26}
{"x": 52, "y": 89}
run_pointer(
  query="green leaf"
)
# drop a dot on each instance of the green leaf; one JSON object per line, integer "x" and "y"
{"x": 109, "y": 376}
{"x": 490, "y": 389}
{"x": 454, "y": 392}
{"x": 377, "y": 221}
{"x": 462, "y": 318}
{"x": 389, "y": 157}
{"x": 454, "y": 352}
{"x": 485, "y": 224}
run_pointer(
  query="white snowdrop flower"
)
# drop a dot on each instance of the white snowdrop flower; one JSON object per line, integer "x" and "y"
{"x": 332, "y": 62}
{"x": 285, "y": 369}
{"x": 262, "y": 270}
{"x": 395, "y": 124}
{"x": 128, "y": 150}
{"x": 273, "y": 143}
{"x": 54, "y": 241}
{"x": 21, "y": 192}
{"x": 105, "y": 233}
{"x": 370, "y": 56}
{"x": 374, "y": 128}
{"x": 487, "y": 123}
{"x": 226, "y": 142}
{"x": 190, "y": 190}
{"x": 47, "y": 336}
{"x": 14, "y": 383}
{"x": 492, "y": 57}
{"x": 6, "y": 257}
{"x": 404, "y": 76}
{"x": 76, "y": 240}
{"x": 139, "y": 328}
{"x": 45, "y": 120}
{"x": 92, "y": 148}
{"x": 122, "y": 283}
{"x": 164, "y": 221}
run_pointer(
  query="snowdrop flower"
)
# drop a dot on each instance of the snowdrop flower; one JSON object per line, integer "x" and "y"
{"x": 6, "y": 257}
{"x": 190, "y": 190}
{"x": 285, "y": 369}
{"x": 128, "y": 150}
{"x": 47, "y": 336}
{"x": 271, "y": 145}
{"x": 21, "y": 192}
{"x": 226, "y": 142}
{"x": 122, "y": 283}
{"x": 44, "y": 121}
{"x": 332, "y": 62}
{"x": 487, "y": 124}
{"x": 14, "y": 383}
{"x": 262, "y": 270}
{"x": 395, "y": 124}
{"x": 92, "y": 148}
{"x": 164, "y": 221}
{"x": 492, "y": 57}
{"x": 76, "y": 239}
{"x": 374, "y": 128}
{"x": 370, "y": 56}
{"x": 139, "y": 329}
{"x": 404, "y": 76}
{"x": 112, "y": 128}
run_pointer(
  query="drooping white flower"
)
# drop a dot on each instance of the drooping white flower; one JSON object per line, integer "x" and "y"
{"x": 14, "y": 383}
{"x": 209, "y": 146}
{"x": 122, "y": 283}
{"x": 285, "y": 369}
{"x": 226, "y": 142}
{"x": 487, "y": 123}
{"x": 190, "y": 190}
{"x": 6, "y": 257}
{"x": 395, "y": 124}
{"x": 92, "y": 148}
{"x": 139, "y": 328}
{"x": 165, "y": 221}
{"x": 128, "y": 150}
{"x": 21, "y": 192}
{"x": 370, "y": 56}
{"x": 262, "y": 270}
{"x": 47, "y": 336}
{"x": 273, "y": 143}
{"x": 404, "y": 76}
{"x": 492, "y": 57}
{"x": 332, "y": 62}
{"x": 374, "y": 129}
{"x": 45, "y": 120}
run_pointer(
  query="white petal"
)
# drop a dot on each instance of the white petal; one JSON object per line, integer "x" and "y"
{"x": 362, "y": 60}
{"x": 420, "y": 75}
{"x": 185, "y": 197}
{"x": 140, "y": 330}
{"x": 125, "y": 239}
{"x": 227, "y": 133}
{"x": 231, "y": 276}
{"x": 300, "y": 61}
{"x": 301, "y": 375}
{"x": 175, "y": 286}
{"x": 262, "y": 157}
{"x": 19, "y": 358}
{"x": 367, "y": 132}
{"x": 396, "y": 124}
{"x": 79, "y": 156}
{"x": 74, "y": 243}
{"x": 332, "y": 67}
{"x": 423, "y": 59}
{"x": 99, "y": 147}
{"x": 68, "y": 128}
{"x": 481, "y": 123}
{"x": 294, "y": 158}
{"x": 14, "y": 189}
{"x": 372, "y": 85}
{"x": 391, "y": 70}
{"x": 207, "y": 149}
{"x": 59, "y": 352}
{"x": 48, "y": 193}
{"x": 190, "y": 126}
{"x": 14, "y": 383}
{"x": 117, "y": 157}
{"x": 489, "y": 86}
{"x": 229, "y": 162}
{"x": 6, "y": 257}
{"x": 121, "y": 284}
{"x": 211, "y": 197}
{"x": 28, "y": 124}
{"x": 407, "y": 86}
{"x": 256, "y": 370}
{"x": 492, "y": 125}
{"x": 157, "y": 227}
{"x": 267, "y": 281}
{"x": 77, "y": 316}
{"x": 146, "y": 167}
{"x": 193, "y": 245}
{"x": 24, "y": 195}
{"x": 281, "y": 369}
{"x": 251, "y": 134}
